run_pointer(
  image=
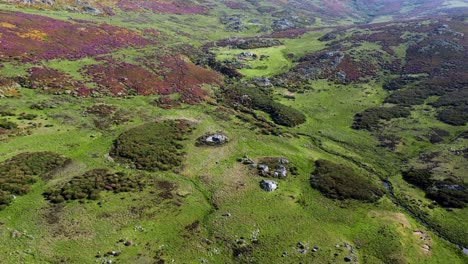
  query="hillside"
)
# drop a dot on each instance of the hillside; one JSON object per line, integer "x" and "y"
{"x": 234, "y": 131}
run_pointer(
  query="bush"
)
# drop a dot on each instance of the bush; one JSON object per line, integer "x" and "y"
{"x": 418, "y": 177}
{"x": 261, "y": 99}
{"x": 5, "y": 124}
{"x": 341, "y": 182}
{"x": 286, "y": 115}
{"x": 371, "y": 117}
{"x": 91, "y": 183}
{"x": 153, "y": 146}
{"x": 20, "y": 172}
{"x": 456, "y": 116}
{"x": 447, "y": 192}
{"x": 25, "y": 116}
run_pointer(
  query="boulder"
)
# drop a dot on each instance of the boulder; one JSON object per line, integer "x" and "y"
{"x": 268, "y": 185}
{"x": 212, "y": 139}
{"x": 282, "y": 172}
{"x": 263, "y": 168}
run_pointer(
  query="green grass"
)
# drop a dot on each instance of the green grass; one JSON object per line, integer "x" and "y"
{"x": 275, "y": 63}
{"x": 210, "y": 182}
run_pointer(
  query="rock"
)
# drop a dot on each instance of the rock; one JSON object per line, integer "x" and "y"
{"x": 128, "y": 243}
{"x": 91, "y": 10}
{"x": 283, "y": 161}
{"x": 315, "y": 249}
{"x": 282, "y": 171}
{"x": 226, "y": 214}
{"x": 212, "y": 139}
{"x": 247, "y": 55}
{"x": 248, "y": 161}
{"x": 328, "y": 37}
{"x": 262, "y": 81}
{"x": 347, "y": 259}
{"x": 268, "y": 185}
{"x": 300, "y": 245}
{"x": 341, "y": 76}
{"x": 263, "y": 168}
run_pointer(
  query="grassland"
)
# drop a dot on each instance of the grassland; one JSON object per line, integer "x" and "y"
{"x": 210, "y": 209}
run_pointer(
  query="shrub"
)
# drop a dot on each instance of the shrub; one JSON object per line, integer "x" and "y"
{"x": 20, "y": 172}
{"x": 261, "y": 99}
{"x": 153, "y": 146}
{"x": 91, "y": 183}
{"x": 418, "y": 177}
{"x": 5, "y": 124}
{"x": 25, "y": 116}
{"x": 456, "y": 116}
{"x": 447, "y": 192}
{"x": 371, "y": 117}
{"x": 341, "y": 182}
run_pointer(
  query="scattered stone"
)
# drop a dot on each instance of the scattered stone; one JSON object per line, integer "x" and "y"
{"x": 284, "y": 254}
{"x": 262, "y": 81}
{"x": 268, "y": 185}
{"x": 282, "y": 171}
{"x": 91, "y": 10}
{"x": 138, "y": 228}
{"x": 128, "y": 243}
{"x": 347, "y": 259}
{"x": 247, "y": 55}
{"x": 226, "y": 214}
{"x": 246, "y": 160}
{"x": 300, "y": 245}
{"x": 328, "y": 37}
{"x": 263, "y": 169}
{"x": 315, "y": 249}
{"x": 426, "y": 248}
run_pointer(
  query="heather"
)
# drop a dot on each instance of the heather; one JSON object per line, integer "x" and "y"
{"x": 30, "y": 38}
{"x": 203, "y": 131}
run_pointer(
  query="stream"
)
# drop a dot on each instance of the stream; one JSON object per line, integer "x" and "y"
{"x": 318, "y": 143}
{"x": 389, "y": 188}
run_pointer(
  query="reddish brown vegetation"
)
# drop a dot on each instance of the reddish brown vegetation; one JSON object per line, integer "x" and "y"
{"x": 235, "y": 5}
{"x": 170, "y": 7}
{"x": 28, "y": 37}
{"x": 53, "y": 81}
{"x": 172, "y": 75}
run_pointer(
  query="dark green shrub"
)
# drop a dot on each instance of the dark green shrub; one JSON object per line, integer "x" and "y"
{"x": 456, "y": 116}
{"x": 153, "y": 146}
{"x": 341, "y": 182}
{"x": 5, "y": 124}
{"x": 91, "y": 183}
{"x": 447, "y": 192}
{"x": 418, "y": 177}
{"x": 261, "y": 99}
{"x": 25, "y": 116}
{"x": 370, "y": 119}
{"x": 20, "y": 172}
